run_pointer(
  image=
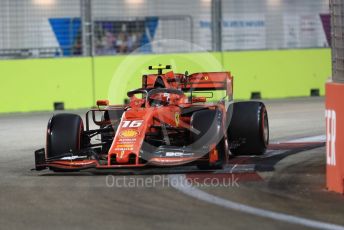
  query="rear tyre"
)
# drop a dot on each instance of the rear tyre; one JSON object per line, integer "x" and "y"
{"x": 208, "y": 124}
{"x": 248, "y": 131}
{"x": 64, "y": 134}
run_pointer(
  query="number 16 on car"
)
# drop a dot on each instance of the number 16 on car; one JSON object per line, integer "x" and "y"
{"x": 132, "y": 124}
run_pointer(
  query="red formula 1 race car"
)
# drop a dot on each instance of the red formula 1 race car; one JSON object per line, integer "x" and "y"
{"x": 173, "y": 119}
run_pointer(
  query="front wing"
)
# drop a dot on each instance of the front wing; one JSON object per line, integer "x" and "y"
{"x": 164, "y": 156}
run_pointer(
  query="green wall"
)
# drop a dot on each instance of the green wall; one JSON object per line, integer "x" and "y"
{"x": 33, "y": 85}
{"x": 279, "y": 74}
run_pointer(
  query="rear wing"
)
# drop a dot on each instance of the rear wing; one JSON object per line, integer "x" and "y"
{"x": 205, "y": 81}
{"x": 209, "y": 81}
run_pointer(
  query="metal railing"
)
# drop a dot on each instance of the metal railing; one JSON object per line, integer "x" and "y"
{"x": 67, "y": 28}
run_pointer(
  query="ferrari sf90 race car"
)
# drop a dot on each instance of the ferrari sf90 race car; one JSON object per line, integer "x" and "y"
{"x": 172, "y": 120}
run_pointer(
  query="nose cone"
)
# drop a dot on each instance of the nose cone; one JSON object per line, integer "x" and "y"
{"x": 129, "y": 137}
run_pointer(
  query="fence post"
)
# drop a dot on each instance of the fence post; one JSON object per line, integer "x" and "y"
{"x": 86, "y": 27}
{"x": 216, "y": 25}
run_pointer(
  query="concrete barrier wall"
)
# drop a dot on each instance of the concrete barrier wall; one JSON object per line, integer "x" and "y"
{"x": 279, "y": 74}
{"x": 34, "y": 85}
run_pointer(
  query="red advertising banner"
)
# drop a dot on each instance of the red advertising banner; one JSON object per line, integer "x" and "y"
{"x": 335, "y": 137}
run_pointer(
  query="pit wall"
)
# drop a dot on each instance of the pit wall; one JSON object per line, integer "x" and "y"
{"x": 35, "y": 84}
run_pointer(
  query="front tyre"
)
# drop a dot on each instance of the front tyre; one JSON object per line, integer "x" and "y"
{"x": 248, "y": 131}
{"x": 64, "y": 134}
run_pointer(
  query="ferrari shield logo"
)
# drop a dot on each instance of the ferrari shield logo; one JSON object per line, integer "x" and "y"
{"x": 176, "y": 117}
{"x": 121, "y": 154}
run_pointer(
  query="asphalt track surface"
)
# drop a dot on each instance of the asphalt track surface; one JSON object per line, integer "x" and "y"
{"x": 290, "y": 183}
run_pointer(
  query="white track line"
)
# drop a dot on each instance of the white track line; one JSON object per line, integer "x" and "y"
{"x": 182, "y": 185}
{"x": 320, "y": 138}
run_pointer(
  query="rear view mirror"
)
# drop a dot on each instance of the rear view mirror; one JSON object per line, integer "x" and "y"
{"x": 198, "y": 99}
{"x": 102, "y": 102}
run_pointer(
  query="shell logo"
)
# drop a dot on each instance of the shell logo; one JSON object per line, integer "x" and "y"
{"x": 129, "y": 133}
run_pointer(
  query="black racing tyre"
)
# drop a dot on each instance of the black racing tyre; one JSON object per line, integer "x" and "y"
{"x": 248, "y": 130}
{"x": 208, "y": 124}
{"x": 64, "y": 134}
